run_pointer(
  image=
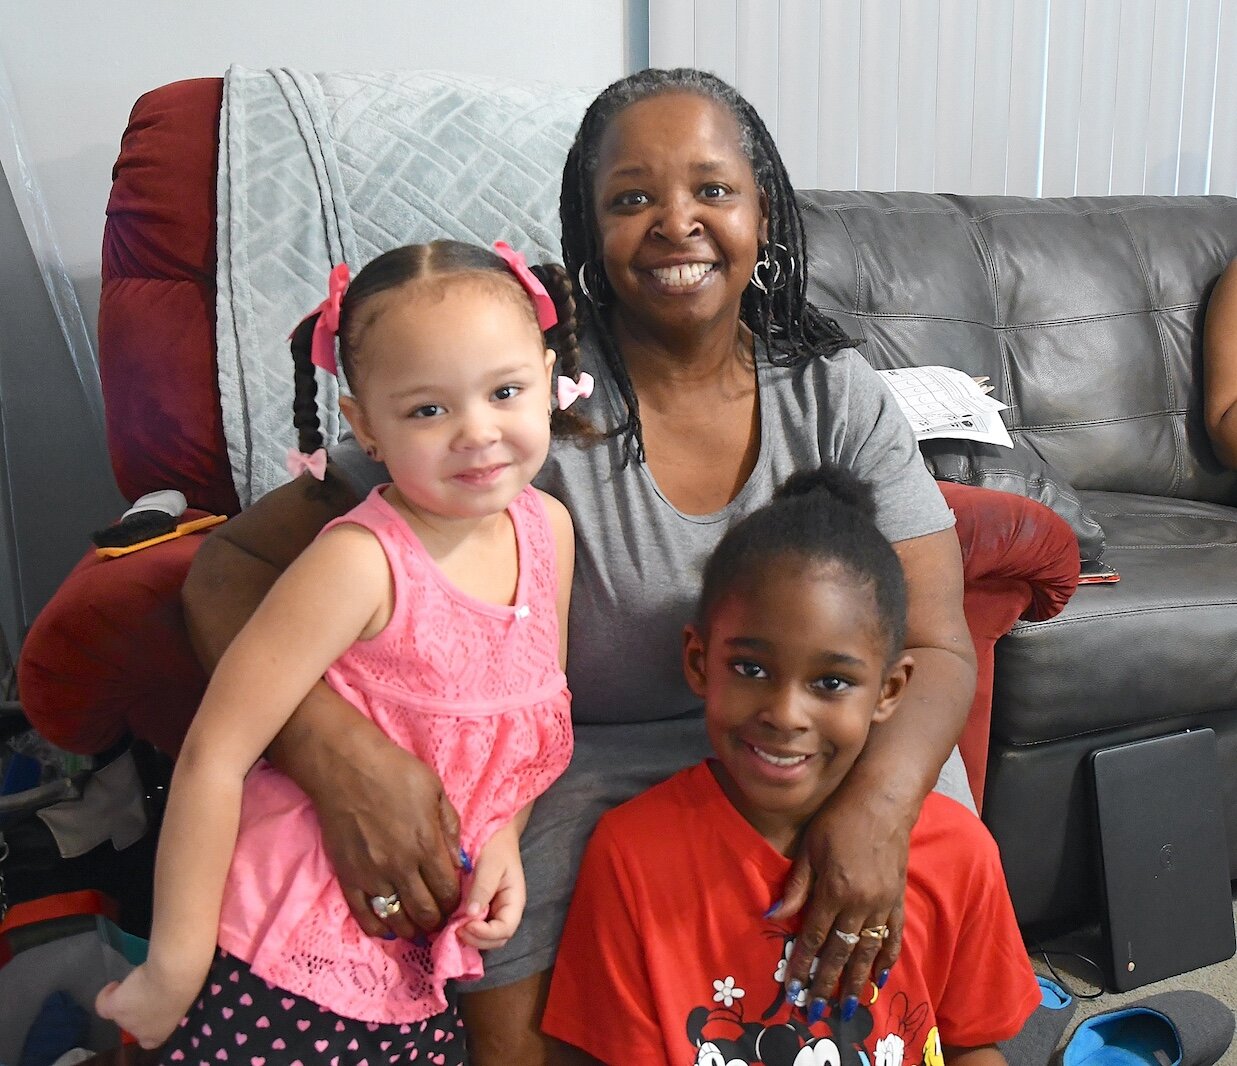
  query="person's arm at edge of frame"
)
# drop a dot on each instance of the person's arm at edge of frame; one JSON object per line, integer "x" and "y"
{"x": 988, "y": 1055}
{"x": 896, "y": 770}
{"x": 1220, "y": 367}
{"x": 350, "y": 770}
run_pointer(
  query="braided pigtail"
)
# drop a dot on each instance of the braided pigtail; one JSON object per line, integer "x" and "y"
{"x": 305, "y": 389}
{"x": 564, "y": 339}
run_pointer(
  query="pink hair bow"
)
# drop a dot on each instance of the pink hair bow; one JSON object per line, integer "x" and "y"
{"x": 569, "y": 391}
{"x": 322, "y": 347}
{"x": 300, "y": 463}
{"x": 547, "y": 314}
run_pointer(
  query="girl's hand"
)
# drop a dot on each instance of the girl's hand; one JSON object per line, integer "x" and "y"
{"x": 852, "y": 861}
{"x": 496, "y": 899}
{"x": 147, "y": 1005}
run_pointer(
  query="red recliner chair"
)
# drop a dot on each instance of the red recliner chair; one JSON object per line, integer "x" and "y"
{"x": 109, "y": 656}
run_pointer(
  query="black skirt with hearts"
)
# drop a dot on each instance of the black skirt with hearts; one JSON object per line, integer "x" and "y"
{"x": 242, "y": 1020}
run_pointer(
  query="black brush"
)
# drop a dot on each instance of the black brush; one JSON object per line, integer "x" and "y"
{"x": 134, "y": 528}
{"x": 154, "y": 515}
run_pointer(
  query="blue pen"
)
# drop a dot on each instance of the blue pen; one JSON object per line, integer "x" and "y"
{"x": 465, "y": 861}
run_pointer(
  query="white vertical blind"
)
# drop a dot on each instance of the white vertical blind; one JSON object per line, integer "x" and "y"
{"x": 837, "y": 158}
{"x": 1037, "y": 97}
{"x": 1132, "y": 114}
{"x": 1223, "y": 140}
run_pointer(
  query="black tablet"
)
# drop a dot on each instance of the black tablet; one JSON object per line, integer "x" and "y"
{"x": 1164, "y": 856}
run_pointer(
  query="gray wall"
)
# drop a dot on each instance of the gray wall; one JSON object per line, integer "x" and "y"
{"x": 56, "y": 484}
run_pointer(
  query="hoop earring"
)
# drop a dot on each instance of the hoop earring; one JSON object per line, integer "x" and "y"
{"x": 582, "y": 278}
{"x": 768, "y": 275}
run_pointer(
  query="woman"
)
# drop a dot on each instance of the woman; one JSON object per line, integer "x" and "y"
{"x": 716, "y": 379}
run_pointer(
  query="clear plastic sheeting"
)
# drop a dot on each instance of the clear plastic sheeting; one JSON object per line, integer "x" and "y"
{"x": 56, "y": 483}
{"x": 31, "y": 206}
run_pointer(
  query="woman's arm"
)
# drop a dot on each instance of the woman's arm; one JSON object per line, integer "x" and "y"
{"x": 1220, "y": 367}
{"x": 856, "y": 848}
{"x": 336, "y": 591}
{"x": 352, "y": 772}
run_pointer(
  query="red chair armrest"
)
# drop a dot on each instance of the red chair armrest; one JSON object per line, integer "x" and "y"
{"x": 1019, "y": 560}
{"x": 110, "y": 656}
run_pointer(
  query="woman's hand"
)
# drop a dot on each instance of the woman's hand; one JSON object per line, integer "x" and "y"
{"x": 147, "y": 1004}
{"x": 387, "y": 824}
{"x": 853, "y": 866}
{"x": 497, "y": 896}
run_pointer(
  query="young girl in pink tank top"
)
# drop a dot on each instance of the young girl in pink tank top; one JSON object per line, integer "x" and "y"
{"x": 438, "y": 606}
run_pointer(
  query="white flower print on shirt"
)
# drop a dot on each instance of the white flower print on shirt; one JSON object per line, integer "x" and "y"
{"x": 725, "y": 993}
{"x": 889, "y": 1050}
{"x": 779, "y": 974}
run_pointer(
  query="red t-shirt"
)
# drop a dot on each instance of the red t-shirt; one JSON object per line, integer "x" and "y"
{"x": 666, "y": 958}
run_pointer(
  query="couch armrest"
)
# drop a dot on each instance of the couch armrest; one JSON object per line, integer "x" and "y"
{"x": 109, "y": 655}
{"x": 1019, "y": 560}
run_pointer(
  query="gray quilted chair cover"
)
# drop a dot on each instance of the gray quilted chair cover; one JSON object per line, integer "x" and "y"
{"x": 319, "y": 169}
{"x": 1086, "y": 313}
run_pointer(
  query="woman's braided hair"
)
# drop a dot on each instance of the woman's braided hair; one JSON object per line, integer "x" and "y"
{"x": 440, "y": 259}
{"x": 792, "y": 330}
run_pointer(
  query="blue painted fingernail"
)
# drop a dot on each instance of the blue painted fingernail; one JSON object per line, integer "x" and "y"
{"x": 388, "y": 935}
{"x": 816, "y": 1011}
{"x": 881, "y": 978}
{"x": 793, "y": 988}
{"x": 465, "y": 862}
{"x": 773, "y": 910}
{"x": 849, "y": 1005}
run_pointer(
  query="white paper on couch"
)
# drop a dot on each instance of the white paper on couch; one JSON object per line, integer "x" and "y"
{"x": 940, "y": 401}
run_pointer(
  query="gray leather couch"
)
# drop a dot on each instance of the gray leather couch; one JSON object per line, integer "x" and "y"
{"x": 1086, "y": 313}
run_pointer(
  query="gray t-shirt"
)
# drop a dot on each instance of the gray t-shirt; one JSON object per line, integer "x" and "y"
{"x": 639, "y": 560}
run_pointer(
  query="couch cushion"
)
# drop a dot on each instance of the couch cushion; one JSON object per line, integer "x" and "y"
{"x": 1018, "y": 470}
{"x": 1085, "y": 312}
{"x": 1157, "y": 646}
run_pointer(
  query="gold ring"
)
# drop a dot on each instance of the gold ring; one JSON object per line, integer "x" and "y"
{"x": 385, "y": 906}
{"x": 847, "y": 938}
{"x": 876, "y": 932}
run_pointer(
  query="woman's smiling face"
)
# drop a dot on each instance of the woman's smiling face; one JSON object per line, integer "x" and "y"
{"x": 680, "y": 217}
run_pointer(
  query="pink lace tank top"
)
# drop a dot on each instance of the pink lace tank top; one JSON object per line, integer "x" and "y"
{"x": 472, "y": 688}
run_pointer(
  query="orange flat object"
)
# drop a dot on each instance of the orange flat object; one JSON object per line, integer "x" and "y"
{"x": 62, "y": 905}
{"x": 179, "y": 531}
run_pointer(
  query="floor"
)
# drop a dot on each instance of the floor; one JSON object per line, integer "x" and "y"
{"x": 1219, "y": 980}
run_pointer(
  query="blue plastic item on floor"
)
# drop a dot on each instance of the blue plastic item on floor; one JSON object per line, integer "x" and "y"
{"x": 23, "y": 773}
{"x": 1042, "y": 1031}
{"x": 1183, "y": 1028}
{"x": 60, "y": 1026}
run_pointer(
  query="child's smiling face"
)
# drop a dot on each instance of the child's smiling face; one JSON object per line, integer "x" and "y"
{"x": 454, "y": 395}
{"x": 793, "y": 667}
